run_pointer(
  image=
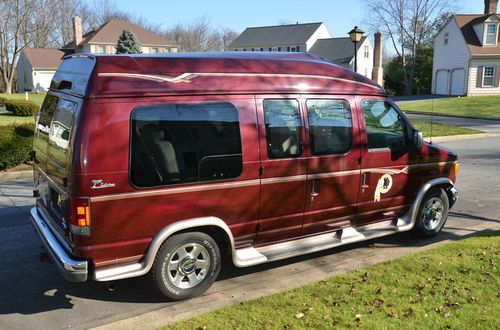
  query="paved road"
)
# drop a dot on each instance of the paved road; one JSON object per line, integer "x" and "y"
{"x": 32, "y": 294}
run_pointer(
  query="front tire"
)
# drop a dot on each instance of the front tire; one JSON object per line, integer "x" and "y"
{"x": 186, "y": 265}
{"x": 432, "y": 214}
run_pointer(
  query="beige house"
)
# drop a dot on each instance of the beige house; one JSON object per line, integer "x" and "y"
{"x": 36, "y": 66}
{"x": 467, "y": 54}
{"x": 103, "y": 39}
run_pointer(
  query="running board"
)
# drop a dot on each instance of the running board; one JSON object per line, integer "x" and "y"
{"x": 252, "y": 256}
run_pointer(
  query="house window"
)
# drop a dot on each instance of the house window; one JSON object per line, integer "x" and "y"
{"x": 279, "y": 49}
{"x": 488, "y": 75}
{"x": 244, "y": 49}
{"x": 261, "y": 49}
{"x": 101, "y": 49}
{"x": 446, "y": 36}
{"x": 166, "y": 50}
{"x": 154, "y": 50}
{"x": 491, "y": 34}
{"x": 298, "y": 48}
{"x": 367, "y": 52}
{"x": 293, "y": 49}
{"x": 270, "y": 49}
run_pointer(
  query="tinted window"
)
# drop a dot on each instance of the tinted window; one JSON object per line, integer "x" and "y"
{"x": 179, "y": 143}
{"x": 54, "y": 128}
{"x": 60, "y": 131}
{"x": 283, "y": 128}
{"x": 384, "y": 126}
{"x": 330, "y": 126}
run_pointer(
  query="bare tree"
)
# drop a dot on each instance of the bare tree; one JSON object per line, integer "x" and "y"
{"x": 409, "y": 25}
{"x": 200, "y": 36}
{"x": 20, "y": 27}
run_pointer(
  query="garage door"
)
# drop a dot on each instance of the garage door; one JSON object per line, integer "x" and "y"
{"x": 442, "y": 82}
{"x": 458, "y": 82}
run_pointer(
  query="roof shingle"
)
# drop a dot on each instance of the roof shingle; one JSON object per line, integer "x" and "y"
{"x": 44, "y": 58}
{"x": 290, "y": 34}
{"x": 336, "y": 50}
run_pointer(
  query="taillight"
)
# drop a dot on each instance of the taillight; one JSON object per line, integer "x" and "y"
{"x": 80, "y": 216}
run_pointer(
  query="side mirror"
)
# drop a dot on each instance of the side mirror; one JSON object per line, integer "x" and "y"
{"x": 417, "y": 139}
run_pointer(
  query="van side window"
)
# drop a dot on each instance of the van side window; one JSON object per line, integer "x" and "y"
{"x": 330, "y": 126}
{"x": 181, "y": 143}
{"x": 384, "y": 126}
{"x": 283, "y": 128}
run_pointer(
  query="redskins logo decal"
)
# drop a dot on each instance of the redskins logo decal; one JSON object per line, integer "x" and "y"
{"x": 384, "y": 184}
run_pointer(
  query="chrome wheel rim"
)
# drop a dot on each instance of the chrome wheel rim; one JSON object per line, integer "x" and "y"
{"x": 432, "y": 213}
{"x": 188, "y": 265}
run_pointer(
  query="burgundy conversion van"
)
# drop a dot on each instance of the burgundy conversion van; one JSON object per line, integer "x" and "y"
{"x": 166, "y": 164}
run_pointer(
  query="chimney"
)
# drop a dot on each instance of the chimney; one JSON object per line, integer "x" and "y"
{"x": 77, "y": 31}
{"x": 378, "y": 70}
{"x": 490, "y": 6}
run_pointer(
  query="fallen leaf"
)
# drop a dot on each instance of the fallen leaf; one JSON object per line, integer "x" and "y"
{"x": 203, "y": 327}
{"x": 438, "y": 309}
{"x": 446, "y": 314}
{"x": 358, "y": 317}
{"x": 409, "y": 313}
{"x": 379, "y": 290}
{"x": 379, "y": 301}
{"x": 299, "y": 315}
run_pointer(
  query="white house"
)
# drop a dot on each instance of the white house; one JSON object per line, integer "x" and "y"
{"x": 35, "y": 68}
{"x": 312, "y": 38}
{"x": 467, "y": 54}
{"x": 280, "y": 38}
{"x": 341, "y": 52}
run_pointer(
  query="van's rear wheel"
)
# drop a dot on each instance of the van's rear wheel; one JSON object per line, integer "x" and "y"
{"x": 432, "y": 214}
{"x": 186, "y": 265}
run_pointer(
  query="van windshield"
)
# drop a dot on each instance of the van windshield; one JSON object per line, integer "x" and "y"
{"x": 53, "y": 132}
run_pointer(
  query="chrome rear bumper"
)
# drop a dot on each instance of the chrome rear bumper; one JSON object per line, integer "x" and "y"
{"x": 72, "y": 270}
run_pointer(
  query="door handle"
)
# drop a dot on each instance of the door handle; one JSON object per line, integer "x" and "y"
{"x": 365, "y": 181}
{"x": 313, "y": 191}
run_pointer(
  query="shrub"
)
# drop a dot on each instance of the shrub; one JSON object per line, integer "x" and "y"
{"x": 3, "y": 100}
{"x": 16, "y": 143}
{"x": 21, "y": 107}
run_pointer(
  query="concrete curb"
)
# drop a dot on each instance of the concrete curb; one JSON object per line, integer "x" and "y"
{"x": 18, "y": 175}
{"x": 461, "y": 137}
{"x": 425, "y": 113}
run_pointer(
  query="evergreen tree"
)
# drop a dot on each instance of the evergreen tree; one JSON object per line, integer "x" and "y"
{"x": 128, "y": 43}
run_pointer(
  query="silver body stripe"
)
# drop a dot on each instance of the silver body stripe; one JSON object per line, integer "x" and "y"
{"x": 255, "y": 182}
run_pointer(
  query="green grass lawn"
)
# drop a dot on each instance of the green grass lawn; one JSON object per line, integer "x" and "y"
{"x": 37, "y": 98}
{"x": 455, "y": 286}
{"x": 479, "y": 106}
{"x": 441, "y": 129}
{"x": 8, "y": 118}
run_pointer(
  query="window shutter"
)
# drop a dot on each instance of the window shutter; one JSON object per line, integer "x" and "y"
{"x": 479, "y": 81}
{"x": 497, "y": 77}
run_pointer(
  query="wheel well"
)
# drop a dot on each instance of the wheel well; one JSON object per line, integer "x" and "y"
{"x": 218, "y": 234}
{"x": 446, "y": 187}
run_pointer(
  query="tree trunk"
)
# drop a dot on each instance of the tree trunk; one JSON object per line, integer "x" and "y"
{"x": 8, "y": 87}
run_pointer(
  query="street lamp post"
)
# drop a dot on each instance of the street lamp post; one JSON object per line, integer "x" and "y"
{"x": 355, "y": 35}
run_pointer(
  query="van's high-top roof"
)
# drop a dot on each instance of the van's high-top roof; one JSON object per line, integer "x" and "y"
{"x": 95, "y": 76}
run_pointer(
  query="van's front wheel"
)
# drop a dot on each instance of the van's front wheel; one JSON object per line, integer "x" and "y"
{"x": 186, "y": 265}
{"x": 432, "y": 214}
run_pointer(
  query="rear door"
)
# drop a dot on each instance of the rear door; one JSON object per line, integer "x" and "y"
{"x": 53, "y": 145}
{"x": 333, "y": 168}
{"x": 283, "y": 167}
{"x": 387, "y": 188}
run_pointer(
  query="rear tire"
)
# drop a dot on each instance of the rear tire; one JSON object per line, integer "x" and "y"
{"x": 186, "y": 265}
{"x": 432, "y": 214}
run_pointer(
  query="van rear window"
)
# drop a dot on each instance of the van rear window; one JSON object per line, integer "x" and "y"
{"x": 181, "y": 143}
{"x": 54, "y": 127}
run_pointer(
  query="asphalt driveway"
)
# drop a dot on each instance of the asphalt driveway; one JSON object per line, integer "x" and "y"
{"x": 33, "y": 295}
